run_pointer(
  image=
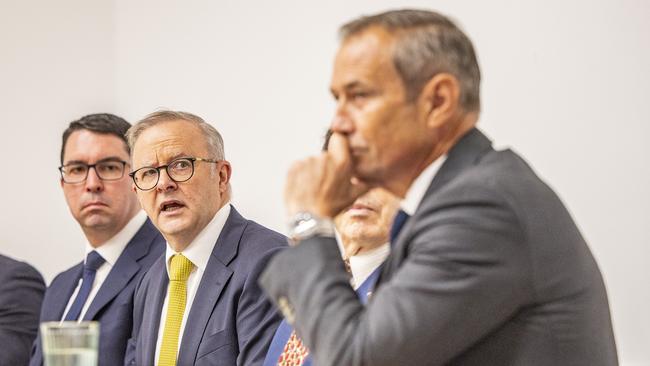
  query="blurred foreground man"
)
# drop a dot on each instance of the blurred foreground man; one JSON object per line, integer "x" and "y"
{"x": 21, "y": 294}
{"x": 486, "y": 268}
{"x": 200, "y": 304}
{"x": 363, "y": 229}
{"x": 121, "y": 242}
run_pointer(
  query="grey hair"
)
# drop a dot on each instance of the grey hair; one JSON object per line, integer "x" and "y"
{"x": 427, "y": 43}
{"x": 213, "y": 138}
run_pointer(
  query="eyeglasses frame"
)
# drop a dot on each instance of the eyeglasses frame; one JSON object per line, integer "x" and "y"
{"x": 124, "y": 163}
{"x": 158, "y": 168}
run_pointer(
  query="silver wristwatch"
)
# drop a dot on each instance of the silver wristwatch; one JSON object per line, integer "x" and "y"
{"x": 305, "y": 225}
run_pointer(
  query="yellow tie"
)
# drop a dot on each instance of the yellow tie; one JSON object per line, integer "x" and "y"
{"x": 179, "y": 270}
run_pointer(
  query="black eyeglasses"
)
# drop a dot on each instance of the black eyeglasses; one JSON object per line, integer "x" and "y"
{"x": 178, "y": 170}
{"x": 73, "y": 173}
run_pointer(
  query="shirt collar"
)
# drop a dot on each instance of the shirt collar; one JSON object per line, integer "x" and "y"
{"x": 112, "y": 249}
{"x": 200, "y": 249}
{"x": 363, "y": 264}
{"x": 420, "y": 185}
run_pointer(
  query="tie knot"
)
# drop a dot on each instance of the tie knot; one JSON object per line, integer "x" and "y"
{"x": 180, "y": 268}
{"x": 93, "y": 261}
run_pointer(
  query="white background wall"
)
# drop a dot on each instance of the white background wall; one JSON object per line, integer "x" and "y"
{"x": 564, "y": 84}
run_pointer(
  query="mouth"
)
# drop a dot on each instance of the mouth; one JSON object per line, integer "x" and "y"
{"x": 360, "y": 209}
{"x": 93, "y": 204}
{"x": 170, "y": 206}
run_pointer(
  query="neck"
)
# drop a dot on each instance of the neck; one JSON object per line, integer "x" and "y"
{"x": 447, "y": 137}
{"x": 97, "y": 237}
{"x": 179, "y": 244}
{"x": 354, "y": 247}
{"x": 182, "y": 240}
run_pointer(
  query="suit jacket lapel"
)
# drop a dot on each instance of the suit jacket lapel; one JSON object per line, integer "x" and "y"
{"x": 61, "y": 291}
{"x": 467, "y": 152}
{"x": 213, "y": 282}
{"x": 125, "y": 268}
{"x": 154, "y": 299}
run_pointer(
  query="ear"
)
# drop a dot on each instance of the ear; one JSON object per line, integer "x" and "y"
{"x": 440, "y": 99}
{"x": 225, "y": 171}
{"x": 134, "y": 188}
{"x": 61, "y": 181}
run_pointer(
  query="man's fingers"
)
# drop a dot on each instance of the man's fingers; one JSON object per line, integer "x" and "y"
{"x": 339, "y": 150}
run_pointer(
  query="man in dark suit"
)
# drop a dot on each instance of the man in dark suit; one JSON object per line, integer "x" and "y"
{"x": 21, "y": 294}
{"x": 200, "y": 303}
{"x": 489, "y": 269}
{"x": 122, "y": 242}
{"x": 363, "y": 229}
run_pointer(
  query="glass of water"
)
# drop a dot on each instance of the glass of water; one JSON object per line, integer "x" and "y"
{"x": 70, "y": 343}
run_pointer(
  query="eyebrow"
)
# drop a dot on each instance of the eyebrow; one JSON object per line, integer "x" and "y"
{"x": 350, "y": 85}
{"x": 172, "y": 158}
{"x": 110, "y": 158}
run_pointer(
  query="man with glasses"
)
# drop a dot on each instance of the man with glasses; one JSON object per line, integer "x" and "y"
{"x": 121, "y": 242}
{"x": 200, "y": 304}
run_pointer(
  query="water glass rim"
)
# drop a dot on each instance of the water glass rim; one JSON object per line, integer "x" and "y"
{"x": 85, "y": 324}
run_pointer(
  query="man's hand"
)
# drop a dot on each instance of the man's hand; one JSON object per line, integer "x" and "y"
{"x": 323, "y": 185}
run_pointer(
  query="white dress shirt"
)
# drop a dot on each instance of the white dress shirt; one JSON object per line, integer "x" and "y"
{"x": 419, "y": 187}
{"x": 110, "y": 251}
{"x": 363, "y": 264}
{"x": 198, "y": 252}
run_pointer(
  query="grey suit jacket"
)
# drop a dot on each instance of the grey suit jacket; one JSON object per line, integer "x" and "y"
{"x": 490, "y": 270}
{"x": 112, "y": 307}
{"x": 21, "y": 294}
{"x": 231, "y": 321}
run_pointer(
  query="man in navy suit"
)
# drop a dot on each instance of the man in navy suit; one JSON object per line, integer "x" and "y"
{"x": 363, "y": 229}
{"x": 21, "y": 294}
{"x": 200, "y": 304}
{"x": 121, "y": 242}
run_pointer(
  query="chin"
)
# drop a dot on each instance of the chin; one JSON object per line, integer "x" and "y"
{"x": 171, "y": 227}
{"x": 95, "y": 221}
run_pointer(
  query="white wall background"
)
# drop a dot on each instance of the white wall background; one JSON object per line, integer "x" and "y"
{"x": 564, "y": 84}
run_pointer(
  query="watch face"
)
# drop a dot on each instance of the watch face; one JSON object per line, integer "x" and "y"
{"x": 305, "y": 225}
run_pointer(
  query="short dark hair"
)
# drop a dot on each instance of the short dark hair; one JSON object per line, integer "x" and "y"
{"x": 426, "y": 44}
{"x": 105, "y": 123}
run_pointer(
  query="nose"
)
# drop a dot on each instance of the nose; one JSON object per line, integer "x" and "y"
{"x": 93, "y": 183}
{"x": 341, "y": 122}
{"x": 165, "y": 183}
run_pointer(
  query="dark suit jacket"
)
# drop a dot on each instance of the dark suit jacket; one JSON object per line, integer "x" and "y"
{"x": 284, "y": 331}
{"x": 113, "y": 304}
{"x": 21, "y": 294}
{"x": 490, "y": 270}
{"x": 231, "y": 321}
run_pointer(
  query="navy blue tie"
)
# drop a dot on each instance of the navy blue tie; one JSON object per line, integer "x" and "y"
{"x": 93, "y": 262}
{"x": 398, "y": 223}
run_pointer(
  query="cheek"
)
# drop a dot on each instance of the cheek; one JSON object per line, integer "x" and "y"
{"x": 147, "y": 202}
{"x": 71, "y": 196}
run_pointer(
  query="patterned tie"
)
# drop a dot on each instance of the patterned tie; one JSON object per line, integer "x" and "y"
{"x": 179, "y": 270}
{"x": 93, "y": 262}
{"x": 398, "y": 223}
{"x": 295, "y": 352}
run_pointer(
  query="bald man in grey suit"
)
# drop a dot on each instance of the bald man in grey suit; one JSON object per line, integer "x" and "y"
{"x": 487, "y": 266}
